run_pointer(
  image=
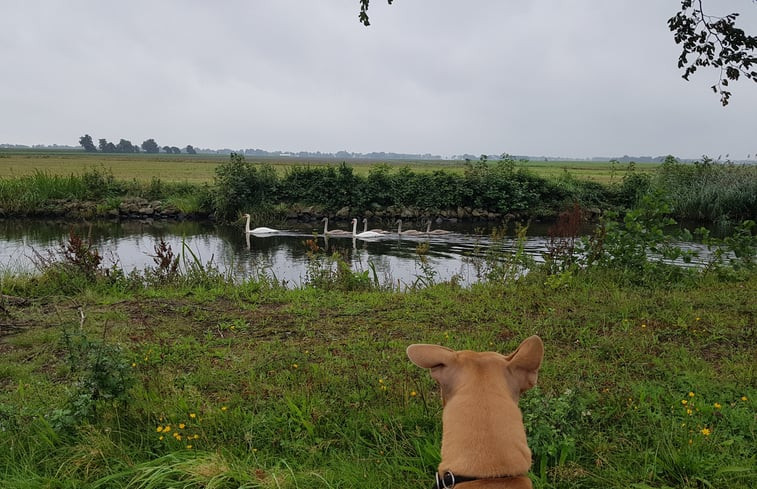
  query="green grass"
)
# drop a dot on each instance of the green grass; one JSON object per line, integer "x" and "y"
{"x": 310, "y": 388}
{"x": 201, "y": 168}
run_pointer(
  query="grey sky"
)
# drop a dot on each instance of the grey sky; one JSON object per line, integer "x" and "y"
{"x": 558, "y": 78}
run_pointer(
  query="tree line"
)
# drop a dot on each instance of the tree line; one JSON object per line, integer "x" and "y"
{"x": 126, "y": 146}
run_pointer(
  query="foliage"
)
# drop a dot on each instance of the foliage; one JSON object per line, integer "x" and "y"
{"x": 333, "y": 272}
{"x": 87, "y": 143}
{"x": 553, "y": 425}
{"x": 714, "y": 41}
{"x": 706, "y": 190}
{"x": 642, "y": 246}
{"x": 150, "y": 146}
{"x": 733, "y": 253}
{"x": 102, "y": 377}
{"x": 241, "y": 185}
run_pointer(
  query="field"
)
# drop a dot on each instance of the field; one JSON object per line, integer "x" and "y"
{"x": 201, "y": 168}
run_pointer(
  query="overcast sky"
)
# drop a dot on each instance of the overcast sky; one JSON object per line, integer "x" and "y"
{"x": 570, "y": 78}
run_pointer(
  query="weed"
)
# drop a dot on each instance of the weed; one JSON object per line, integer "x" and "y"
{"x": 102, "y": 376}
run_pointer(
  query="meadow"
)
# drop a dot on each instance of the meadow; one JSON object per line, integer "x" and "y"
{"x": 200, "y": 168}
{"x": 178, "y": 377}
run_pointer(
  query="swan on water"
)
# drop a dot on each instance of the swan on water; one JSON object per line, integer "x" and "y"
{"x": 365, "y": 228}
{"x": 260, "y": 230}
{"x": 364, "y": 234}
{"x": 407, "y": 232}
{"x": 335, "y": 232}
{"x": 435, "y": 231}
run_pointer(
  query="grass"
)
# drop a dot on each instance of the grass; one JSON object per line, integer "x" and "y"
{"x": 201, "y": 168}
{"x": 210, "y": 385}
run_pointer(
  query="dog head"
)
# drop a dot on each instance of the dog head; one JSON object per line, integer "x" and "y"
{"x": 483, "y": 427}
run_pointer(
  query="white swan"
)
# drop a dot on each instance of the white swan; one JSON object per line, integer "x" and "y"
{"x": 365, "y": 228}
{"x": 435, "y": 231}
{"x": 260, "y": 230}
{"x": 335, "y": 232}
{"x": 364, "y": 234}
{"x": 407, "y": 232}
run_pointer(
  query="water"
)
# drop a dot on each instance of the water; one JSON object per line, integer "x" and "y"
{"x": 130, "y": 245}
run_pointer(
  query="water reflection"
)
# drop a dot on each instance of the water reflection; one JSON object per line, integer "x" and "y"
{"x": 283, "y": 256}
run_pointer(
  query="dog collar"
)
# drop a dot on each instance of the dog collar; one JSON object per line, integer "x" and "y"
{"x": 449, "y": 480}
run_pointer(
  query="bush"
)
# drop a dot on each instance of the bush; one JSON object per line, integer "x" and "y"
{"x": 241, "y": 185}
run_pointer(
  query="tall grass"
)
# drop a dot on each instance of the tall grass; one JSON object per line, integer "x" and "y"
{"x": 709, "y": 191}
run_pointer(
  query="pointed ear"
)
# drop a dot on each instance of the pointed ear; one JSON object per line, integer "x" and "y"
{"x": 525, "y": 362}
{"x": 430, "y": 356}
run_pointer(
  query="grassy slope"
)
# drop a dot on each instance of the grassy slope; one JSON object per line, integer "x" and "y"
{"x": 310, "y": 389}
{"x": 201, "y": 168}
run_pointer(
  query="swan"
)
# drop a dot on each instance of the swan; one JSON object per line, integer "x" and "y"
{"x": 365, "y": 228}
{"x": 407, "y": 232}
{"x": 364, "y": 234}
{"x": 335, "y": 232}
{"x": 260, "y": 230}
{"x": 435, "y": 231}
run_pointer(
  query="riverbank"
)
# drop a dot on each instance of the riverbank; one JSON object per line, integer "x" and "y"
{"x": 196, "y": 382}
{"x": 505, "y": 190}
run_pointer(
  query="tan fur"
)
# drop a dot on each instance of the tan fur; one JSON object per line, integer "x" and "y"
{"x": 483, "y": 434}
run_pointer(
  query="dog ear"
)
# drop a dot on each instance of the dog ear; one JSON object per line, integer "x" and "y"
{"x": 525, "y": 362}
{"x": 430, "y": 356}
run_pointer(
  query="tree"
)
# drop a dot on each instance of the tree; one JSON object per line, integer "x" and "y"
{"x": 124, "y": 146}
{"x": 86, "y": 143}
{"x": 716, "y": 42}
{"x": 150, "y": 146}
{"x": 190, "y": 150}
{"x": 106, "y": 147}
{"x": 175, "y": 150}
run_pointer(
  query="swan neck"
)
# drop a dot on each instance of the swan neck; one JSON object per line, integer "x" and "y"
{"x": 247, "y": 225}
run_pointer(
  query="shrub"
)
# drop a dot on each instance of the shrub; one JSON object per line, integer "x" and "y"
{"x": 242, "y": 185}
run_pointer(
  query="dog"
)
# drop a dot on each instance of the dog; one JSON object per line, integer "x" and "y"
{"x": 483, "y": 437}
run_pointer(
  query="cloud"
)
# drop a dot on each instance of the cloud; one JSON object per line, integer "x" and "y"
{"x": 575, "y": 78}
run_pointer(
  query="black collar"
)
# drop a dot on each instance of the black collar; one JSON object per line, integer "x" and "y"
{"x": 448, "y": 480}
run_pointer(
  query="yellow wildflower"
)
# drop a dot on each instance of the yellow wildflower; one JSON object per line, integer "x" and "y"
{"x": 182, "y": 426}
{"x": 743, "y": 398}
{"x": 413, "y": 394}
{"x": 192, "y": 415}
{"x": 295, "y": 366}
{"x": 706, "y": 431}
{"x": 189, "y": 447}
{"x": 684, "y": 402}
{"x": 717, "y": 405}
{"x": 160, "y": 437}
{"x": 167, "y": 428}
{"x": 691, "y": 394}
{"x": 224, "y": 408}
